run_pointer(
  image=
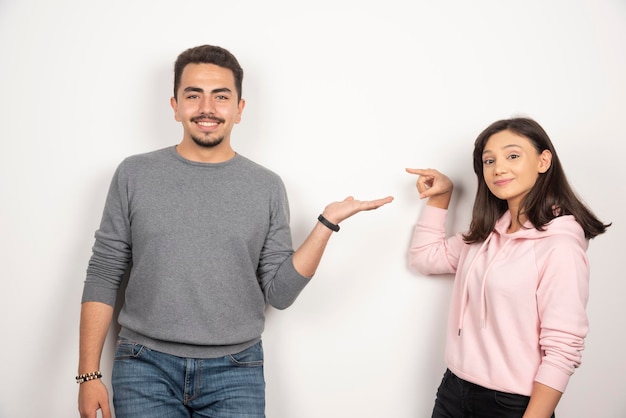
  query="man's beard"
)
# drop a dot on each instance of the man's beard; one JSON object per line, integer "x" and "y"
{"x": 207, "y": 142}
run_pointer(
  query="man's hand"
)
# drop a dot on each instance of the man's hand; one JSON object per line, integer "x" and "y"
{"x": 336, "y": 212}
{"x": 93, "y": 395}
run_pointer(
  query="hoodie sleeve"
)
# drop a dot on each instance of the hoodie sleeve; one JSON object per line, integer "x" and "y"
{"x": 562, "y": 296}
{"x": 430, "y": 251}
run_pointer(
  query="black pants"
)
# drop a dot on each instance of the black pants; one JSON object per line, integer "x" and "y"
{"x": 458, "y": 398}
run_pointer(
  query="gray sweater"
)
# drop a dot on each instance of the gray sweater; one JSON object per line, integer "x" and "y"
{"x": 207, "y": 245}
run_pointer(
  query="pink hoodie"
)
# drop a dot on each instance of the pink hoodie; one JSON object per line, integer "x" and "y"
{"x": 518, "y": 305}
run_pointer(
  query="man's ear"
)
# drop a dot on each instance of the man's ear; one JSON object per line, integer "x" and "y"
{"x": 174, "y": 105}
{"x": 240, "y": 106}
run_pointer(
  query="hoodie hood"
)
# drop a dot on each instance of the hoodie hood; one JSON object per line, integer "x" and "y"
{"x": 562, "y": 225}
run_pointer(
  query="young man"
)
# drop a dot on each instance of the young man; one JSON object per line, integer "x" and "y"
{"x": 204, "y": 234}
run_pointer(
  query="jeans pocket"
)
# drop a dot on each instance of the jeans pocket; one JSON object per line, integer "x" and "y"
{"x": 511, "y": 401}
{"x": 126, "y": 349}
{"x": 250, "y": 357}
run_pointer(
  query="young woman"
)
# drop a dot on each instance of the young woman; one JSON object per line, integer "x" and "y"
{"x": 517, "y": 319}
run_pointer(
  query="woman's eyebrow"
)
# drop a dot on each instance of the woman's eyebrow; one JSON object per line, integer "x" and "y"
{"x": 504, "y": 147}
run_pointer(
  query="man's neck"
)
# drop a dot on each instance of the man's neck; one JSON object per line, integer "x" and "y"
{"x": 196, "y": 153}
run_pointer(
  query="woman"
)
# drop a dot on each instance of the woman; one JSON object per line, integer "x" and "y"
{"x": 517, "y": 319}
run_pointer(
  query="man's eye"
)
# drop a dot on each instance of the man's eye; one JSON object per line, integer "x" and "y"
{"x": 221, "y": 97}
{"x": 192, "y": 96}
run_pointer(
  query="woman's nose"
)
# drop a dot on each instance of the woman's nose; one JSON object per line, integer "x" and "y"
{"x": 500, "y": 168}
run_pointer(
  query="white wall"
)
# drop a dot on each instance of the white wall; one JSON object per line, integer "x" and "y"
{"x": 341, "y": 97}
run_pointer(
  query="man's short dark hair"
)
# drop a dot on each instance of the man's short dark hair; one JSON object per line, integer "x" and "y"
{"x": 208, "y": 54}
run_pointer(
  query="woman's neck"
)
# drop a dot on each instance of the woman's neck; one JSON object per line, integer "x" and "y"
{"x": 517, "y": 219}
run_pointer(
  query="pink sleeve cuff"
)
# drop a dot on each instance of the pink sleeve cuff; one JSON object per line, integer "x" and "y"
{"x": 553, "y": 377}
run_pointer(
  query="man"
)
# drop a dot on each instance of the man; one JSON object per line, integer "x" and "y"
{"x": 204, "y": 233}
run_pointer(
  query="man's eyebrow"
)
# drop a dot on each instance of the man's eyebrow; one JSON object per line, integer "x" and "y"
{"x": 222, "y": 90}
{"x": 200, "y": 90}
{"x": 194, "y": 89}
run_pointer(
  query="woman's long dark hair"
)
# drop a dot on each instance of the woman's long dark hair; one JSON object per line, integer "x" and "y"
{"x": 551, "y": 196}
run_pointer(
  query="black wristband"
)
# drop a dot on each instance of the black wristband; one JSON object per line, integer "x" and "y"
{"x": 327, "y": 223}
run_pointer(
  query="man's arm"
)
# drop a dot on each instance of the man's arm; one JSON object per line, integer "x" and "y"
{"x": 95, "y": 319}
{"x": 307, "y": 257}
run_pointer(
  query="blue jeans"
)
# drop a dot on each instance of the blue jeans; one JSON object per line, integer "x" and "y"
{"x": 150, "y": 384}
{"x": 458, "y": 398}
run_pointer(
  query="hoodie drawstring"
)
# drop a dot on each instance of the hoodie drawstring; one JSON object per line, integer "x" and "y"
{"x": 464, "y": 294}
{"x": 483, "y": 301}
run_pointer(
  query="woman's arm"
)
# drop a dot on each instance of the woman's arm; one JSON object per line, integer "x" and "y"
{"x": 543, "y": 401}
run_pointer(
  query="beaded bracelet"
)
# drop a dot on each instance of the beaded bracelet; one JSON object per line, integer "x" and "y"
{"x": 82, "y": 378}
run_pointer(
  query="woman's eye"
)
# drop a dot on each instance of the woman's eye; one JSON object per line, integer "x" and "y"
{"x": 514, "y": 156}
{"x": 488, "y": 161}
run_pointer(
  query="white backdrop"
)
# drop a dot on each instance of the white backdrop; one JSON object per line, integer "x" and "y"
{"x": 341, "y": 97}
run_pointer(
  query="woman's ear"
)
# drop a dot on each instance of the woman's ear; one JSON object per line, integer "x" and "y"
{"x": 545, "y": 161}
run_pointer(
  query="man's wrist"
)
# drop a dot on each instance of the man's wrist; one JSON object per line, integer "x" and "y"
{"x": 328, "y": 224}
{"x": 85, "y": 377}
